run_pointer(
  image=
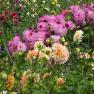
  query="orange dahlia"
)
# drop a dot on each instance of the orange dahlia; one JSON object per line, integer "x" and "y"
{"x": 25, "y": 77}
{"x": 10, "y": 81}
{"x": 34, "y": 53}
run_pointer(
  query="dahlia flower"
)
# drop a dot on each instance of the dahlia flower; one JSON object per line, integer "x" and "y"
{"x": 84, "y": 55}
{"x": 78, "y": 36}
{"x": 60, "y": 81}
{"x": 39, "y": 45}
{"x": 12, "y": 46}
{"x": 55, "y": 38}
{"x": 47, "y": 51}
{"x": 10, "y": 82}
{"x": 42, "y": 26}
{"x": 79, "y": 17}
{"x": 70, "y": 25}
{"x": 28, "y": 35}
{"x": 90, "y": 15}
{"x": 21, "y": 47}
{"x": 44, "y": 18}
{"x": 33, "y": 54}
{"x": 25, "y": 77}
{"x": 32, "y": 37}
{"x": 91, "y": 6}
{"x": 60, "y": 53}
{"x": 60, "y": 19}
{"x": 75, "y": 8}
{"x": 17, "y": 38}
{"x": 58, "y": 28}
{"x": 51, "y": 18}
{"x": 16, "y": 45}
{"x": 41, "y": 36}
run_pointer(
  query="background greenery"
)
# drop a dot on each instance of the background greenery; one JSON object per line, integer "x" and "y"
{"x": 33, "y": 9}
{"x": 79, "y": 75}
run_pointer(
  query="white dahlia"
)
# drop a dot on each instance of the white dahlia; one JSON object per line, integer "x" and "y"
{"x": 78, "y": 36}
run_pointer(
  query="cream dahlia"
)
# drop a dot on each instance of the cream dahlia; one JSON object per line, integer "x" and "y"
{"x": 78, "y": 36}
{"x": 60, "y": 53}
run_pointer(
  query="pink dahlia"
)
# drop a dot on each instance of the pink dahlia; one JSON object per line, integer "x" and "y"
{"x": 42, "y": 26}
{"x": 44, "y": 18}
{"x": 75, "y": 8}
{"x": 21, "y": 47}
{"x": 12, "y": 46}
{"x": 58, "y": 28}
{"x": 90, "y": 15}
{"x": 70, "y": 25}
{"x": 39, "y": 36}
{"x": 55, "y": 38}
{"x": 17, "y": 38}
{"x": 79, "y": 17}
{"x": 28, "y": 34}
{"x": 91, "y": 6}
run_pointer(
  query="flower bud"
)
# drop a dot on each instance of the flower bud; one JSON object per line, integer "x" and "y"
{"x": 60, "y": 81}
{"x": 77, "y": 50}
{"x": 62, "y": 39}
{"x": 3, "y": 75}
{"x": 49, "y": 41}
{"x": 46, "y": 75}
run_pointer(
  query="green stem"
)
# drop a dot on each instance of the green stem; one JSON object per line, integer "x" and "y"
{"x": 5, "y": 45}
{"x": 51, "y": 90}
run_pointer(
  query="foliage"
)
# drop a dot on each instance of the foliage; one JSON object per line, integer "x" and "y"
{"x": 41, "y": 57}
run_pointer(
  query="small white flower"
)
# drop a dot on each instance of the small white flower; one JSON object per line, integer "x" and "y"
{"x": 4, "y": 92}
{"x": 28, "y": 13}
{"x": 43, "y": 1}
{"x": 78, "y": 36}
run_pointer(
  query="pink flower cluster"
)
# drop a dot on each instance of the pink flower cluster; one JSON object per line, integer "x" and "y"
{"x": 83, "y": 15}
{"x": 56, "y": 24}
{"x": 30, "y": 37}
{"x": 53, "y": 27}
